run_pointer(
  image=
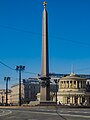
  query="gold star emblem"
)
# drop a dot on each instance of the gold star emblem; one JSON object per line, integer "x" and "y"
{"x": 44, "y": 3}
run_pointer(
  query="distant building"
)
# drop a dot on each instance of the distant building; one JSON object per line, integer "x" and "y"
{"x": 88, "y": 85}
{"x": 55, "y": 75}
{"x": 29, "y": 89}
{"x": 15, "y": 93}
{"x": 3, "y": 96}
{"x": 66, "y": 91}
{"x": 73, "y": 90}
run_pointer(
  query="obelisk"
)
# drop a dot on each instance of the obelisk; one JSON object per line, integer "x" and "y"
{"x": 45, "y": 79}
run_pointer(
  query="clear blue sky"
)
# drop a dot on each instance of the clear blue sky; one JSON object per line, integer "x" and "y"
{"x": 20, "y": 36}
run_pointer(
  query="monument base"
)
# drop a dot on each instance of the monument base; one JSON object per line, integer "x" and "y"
{"x": 47, "y": 103}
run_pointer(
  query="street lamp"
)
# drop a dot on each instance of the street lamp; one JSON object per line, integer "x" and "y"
{"x": 6, "y": 79}
{"x": 20, "y": 69}
{"x": 56, "y": 81}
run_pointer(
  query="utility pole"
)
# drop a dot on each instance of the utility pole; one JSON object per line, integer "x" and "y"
{"x": 7, "y": 79}
{"x": 56, "y": 81}
{"x": 20, "y": 69}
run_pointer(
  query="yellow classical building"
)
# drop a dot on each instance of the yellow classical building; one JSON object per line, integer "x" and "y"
{"x": 3, "y": 96}
{"x": 72, "y": 91}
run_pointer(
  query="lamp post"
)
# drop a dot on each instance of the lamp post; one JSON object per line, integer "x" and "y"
{"x": 7, "y": 79}
{"x": 56, "y": 81}
{"x": 20, "y": 69}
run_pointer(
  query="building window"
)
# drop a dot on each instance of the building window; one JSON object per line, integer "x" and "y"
{"x": 83, "y": 99}
{"x": 68, "y": 100}
{"x": 89, "y": 100}
{"x": 61, "y": 84}
{"x": 75, "y": 82}
{"x": 76, "y": 100}
{"x": 74, "y": 86}
{"x": 70, "y": 84}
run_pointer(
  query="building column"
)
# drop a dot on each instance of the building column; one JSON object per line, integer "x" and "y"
{"x": 72, "y": 84}
{"x": 73, "y": 100}
{"x": 79, "y": 84}
{"x": 78, "y": 100}
{"x": 76, "y": 84}
{"x": 66, "y": 83}
{"x": 69, "y": 84}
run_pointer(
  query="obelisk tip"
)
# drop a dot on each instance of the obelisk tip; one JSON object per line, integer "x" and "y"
{"x": 44, "y": 4}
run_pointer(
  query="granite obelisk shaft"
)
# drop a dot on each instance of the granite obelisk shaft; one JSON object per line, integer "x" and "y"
{"x": 45, "y": 63}
{"x": 45, "y": 84}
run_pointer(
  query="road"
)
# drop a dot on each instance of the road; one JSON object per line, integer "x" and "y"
{"x": 44, "y": 114}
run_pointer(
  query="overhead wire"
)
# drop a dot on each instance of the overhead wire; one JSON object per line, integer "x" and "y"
{"x": 18, "y": 30}
{"x": 81, "y": 69}
{"x": 22, "y": 30}
{"x": 50, "y": 36}
{"x": 30, "y": 72}
{"x": 6, "y": 65}
{"x": 15, "y": 69}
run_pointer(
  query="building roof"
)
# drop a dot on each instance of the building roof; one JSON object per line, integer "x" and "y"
{"x": 72, "y": 76}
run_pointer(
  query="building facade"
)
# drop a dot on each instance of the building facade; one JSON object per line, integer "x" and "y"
{"x": 29, "y": 89}
{"x": 3, "y": 96}
{"x": 73, "y": 91}
{"x": 15, "y": 93}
